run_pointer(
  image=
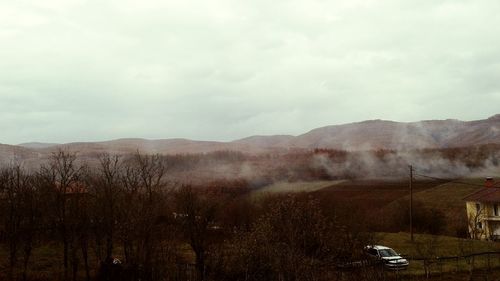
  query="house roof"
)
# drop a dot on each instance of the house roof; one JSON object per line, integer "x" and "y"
{"x": 487, "y": 194}
{"x": 73, "y": 188}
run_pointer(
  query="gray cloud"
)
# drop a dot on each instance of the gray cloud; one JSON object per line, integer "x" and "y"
{"x": 76, "y": 70}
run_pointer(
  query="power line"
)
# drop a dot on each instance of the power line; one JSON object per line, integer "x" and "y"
{"x": 449, "y": 180}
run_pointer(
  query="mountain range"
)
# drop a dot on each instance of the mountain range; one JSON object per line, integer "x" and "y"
{"x": 366, "y": 135}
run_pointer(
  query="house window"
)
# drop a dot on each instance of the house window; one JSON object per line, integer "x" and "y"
{"x": 495, "y": 210}
{"x": 479, "y": 225}
{"x": 478, "y": 207}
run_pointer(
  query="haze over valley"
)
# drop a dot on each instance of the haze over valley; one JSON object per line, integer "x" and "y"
{"x": 374, "y": 149}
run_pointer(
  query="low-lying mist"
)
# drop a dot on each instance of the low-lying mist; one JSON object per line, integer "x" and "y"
{"x": 443, "y": 163}
{"x": 257, "y": 170}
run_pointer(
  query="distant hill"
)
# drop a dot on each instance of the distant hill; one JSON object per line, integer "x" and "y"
{"x": 37, "y": 145}
{"x": 366, "y": 135}
{"x": 10, "y": 154}
{"x": 380, "y": 134}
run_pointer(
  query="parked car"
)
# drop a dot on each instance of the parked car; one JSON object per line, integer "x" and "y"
{"x": 391, "y": 259}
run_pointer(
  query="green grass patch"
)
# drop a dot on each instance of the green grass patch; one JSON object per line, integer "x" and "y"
{"x": 294, "y": 187}
{"x": 430, "y": 246}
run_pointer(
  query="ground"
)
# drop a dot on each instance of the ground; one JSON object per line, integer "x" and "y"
{"x": 369, "y": 194}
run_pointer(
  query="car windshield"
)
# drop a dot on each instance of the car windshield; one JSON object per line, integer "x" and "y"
{"x": 387, "y": 253}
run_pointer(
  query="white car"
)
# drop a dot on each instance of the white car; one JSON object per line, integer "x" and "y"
{"x": 391, "y": 259}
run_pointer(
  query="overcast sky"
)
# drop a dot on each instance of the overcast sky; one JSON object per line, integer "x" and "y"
{"x": 76, "y": 70}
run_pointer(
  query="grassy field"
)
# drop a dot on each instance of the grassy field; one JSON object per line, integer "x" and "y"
{"x": 445, "y": 197}
{"x": 370, "y": 194}
{"x": 46, "y": 261}
{"x": 442, "y": 196}
{"x": 442, "y": 246}
{"x": 383, "y": 199}
{"x": 378, "y": 193}
{"x": 294, "y": 187}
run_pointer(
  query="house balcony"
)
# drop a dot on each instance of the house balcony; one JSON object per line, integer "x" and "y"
{"x": 492, "y": 218}
{"x": 495, "y": 237}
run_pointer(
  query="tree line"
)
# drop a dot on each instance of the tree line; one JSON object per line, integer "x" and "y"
{"x": 123, "y": 219}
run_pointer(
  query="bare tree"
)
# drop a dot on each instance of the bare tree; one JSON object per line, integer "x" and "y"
{"x": 63, "y": 176}
{"x": 476, "y": 222}
{"x": 104, "y": 184}
{"x": 292, "y": 240}
{"x": 20, "y": 215}
{"x": 142, "y": 210}
{"x": 195, "y": 215}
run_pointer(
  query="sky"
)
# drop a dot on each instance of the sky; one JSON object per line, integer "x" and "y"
{"x": 89, "y": 70}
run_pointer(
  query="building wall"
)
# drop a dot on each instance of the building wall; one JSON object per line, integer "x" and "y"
{"x": 477, "y": 224}
{"x": 482, "y": 225}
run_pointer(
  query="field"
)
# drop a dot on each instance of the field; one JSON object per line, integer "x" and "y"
{"x": 446, "y": 197}
{"x": 371, "y": 193}
{"x": 386, "y": 197}
{"x": 44, "y": 264}
{"x": 443, "y": 246}
{"x": 48, "y": 257}
{"x": 294, "y": 187}
{"x": 370, "y": 204}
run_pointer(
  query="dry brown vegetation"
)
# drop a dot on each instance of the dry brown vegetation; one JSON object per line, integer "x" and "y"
{"x": 194, "y": 217}
{"x": 128, "y": 209}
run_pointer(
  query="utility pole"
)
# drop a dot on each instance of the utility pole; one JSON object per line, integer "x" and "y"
{"x": 411, "y": 202}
